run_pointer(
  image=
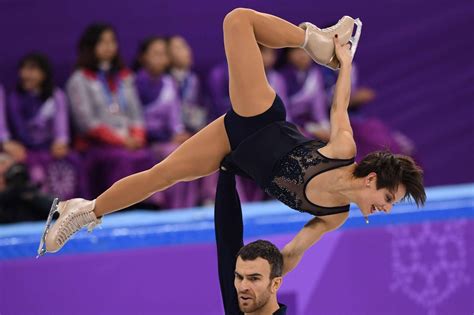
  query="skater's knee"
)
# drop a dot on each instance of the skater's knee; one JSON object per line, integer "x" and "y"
{"x": 236, "y": 18}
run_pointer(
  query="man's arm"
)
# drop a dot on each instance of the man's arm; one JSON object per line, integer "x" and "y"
{"x": 307, "y": 237}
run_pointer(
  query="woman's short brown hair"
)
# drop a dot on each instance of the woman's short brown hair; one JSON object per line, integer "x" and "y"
{"x": 393, "y": 170}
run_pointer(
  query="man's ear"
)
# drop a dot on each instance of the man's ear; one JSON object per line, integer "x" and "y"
{"x": 276, "y": 284}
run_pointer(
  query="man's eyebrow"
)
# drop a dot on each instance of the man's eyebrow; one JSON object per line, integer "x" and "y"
{"x": 255, "y": 275}
{"x": 250, "y": 275}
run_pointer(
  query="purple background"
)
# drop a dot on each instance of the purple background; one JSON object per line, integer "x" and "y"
{"x": 412, "y": 269}
{"x": 416, "y": 54}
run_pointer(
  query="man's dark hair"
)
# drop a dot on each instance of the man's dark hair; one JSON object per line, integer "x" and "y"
{"x": 393, "y": 170}
{"x": 267, "y": 251}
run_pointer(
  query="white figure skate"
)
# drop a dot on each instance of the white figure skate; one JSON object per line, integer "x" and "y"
{"x": 319, "y": 43}
{"x": 74, "y": 214}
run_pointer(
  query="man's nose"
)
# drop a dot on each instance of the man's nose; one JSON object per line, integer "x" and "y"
{"x": 244, "y": 286}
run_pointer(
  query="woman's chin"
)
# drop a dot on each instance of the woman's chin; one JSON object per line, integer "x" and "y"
{"x": 364, "y": 213}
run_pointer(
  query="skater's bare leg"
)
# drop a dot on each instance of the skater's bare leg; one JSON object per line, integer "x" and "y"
{"x": 197, "y": 157}
{"x": 249, "y": 90}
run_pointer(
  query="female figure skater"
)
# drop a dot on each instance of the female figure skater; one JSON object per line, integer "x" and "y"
{"x": 305, "y": 174}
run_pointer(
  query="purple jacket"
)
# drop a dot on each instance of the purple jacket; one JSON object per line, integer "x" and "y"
{"x": 161, "y": 106}
{"x": 37, "y": 123}
{"x": 306, "y": 96}
{"x": 193, "y": 110}
{"x": 4, "y": 133}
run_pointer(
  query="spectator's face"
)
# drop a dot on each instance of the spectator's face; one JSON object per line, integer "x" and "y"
{"x": 106, "y": 49}
{"x": 253, "y": 284}
{"x": 268, "y": 56}
{"x": 299, "y": 58}
{"x": 180, "y": 53}
{"x": 155, "y": 59}
{"x": 31, "y": 77}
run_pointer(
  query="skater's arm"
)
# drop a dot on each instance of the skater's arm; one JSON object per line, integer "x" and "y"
{"x": 307, "y": 237}
{"x": 340, "y": 124}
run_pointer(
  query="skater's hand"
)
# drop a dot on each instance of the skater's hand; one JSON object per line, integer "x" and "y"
{"x": 361, "y": 96}
{"x": 16, "y": 150}
{"x": 59, "y": 149}
{"x": 6, "y": 161}
{"x": 132, "y": 144}
{"x": 343, "y": 53}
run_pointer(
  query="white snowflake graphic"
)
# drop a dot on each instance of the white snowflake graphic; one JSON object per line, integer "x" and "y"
{"x": 429, "y": 261}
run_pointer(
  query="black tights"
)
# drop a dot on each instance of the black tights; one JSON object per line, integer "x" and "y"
{"x": 229, "y": 239}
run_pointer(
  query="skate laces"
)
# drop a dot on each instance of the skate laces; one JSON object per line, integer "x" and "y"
{"x": 74, "y": 222}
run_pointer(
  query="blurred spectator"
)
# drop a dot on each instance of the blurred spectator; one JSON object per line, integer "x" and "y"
{"x": 20, "y": 200}
{"x": 162, "y": 107}
{"x": 6, "y": 161}
{"x": 275, "y": 79}
{"x": 370, "y": 133}
{"x": 39, "y": 126}
{"x": 13, "y": 148}
{"x": 218, "y": 85}
{"x": 193, "y": 111}
{"x": 106, "y": 111}
{"x": 306, "y": 104}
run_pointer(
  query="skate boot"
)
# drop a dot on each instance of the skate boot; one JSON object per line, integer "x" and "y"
{"x": 74, "y": 214}
{"x": 319, "y": 43}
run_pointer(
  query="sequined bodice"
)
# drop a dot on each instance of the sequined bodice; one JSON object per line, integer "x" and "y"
{"x": 293, "y": 172}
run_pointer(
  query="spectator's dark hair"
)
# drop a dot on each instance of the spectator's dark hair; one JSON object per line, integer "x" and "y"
{"x": 143, "y": 48}
{"x": 267, "y": 251}
{"x": 393, "y": 170}
{"x": 86, "y": 49}
{"x": 41, "y": 62}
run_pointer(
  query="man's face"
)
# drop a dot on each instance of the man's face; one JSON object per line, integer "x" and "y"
{"x": 253, "y": 284}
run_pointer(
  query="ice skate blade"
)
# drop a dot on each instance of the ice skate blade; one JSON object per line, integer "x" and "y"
{"x": 355, "y": 39}
{"x": 52, "y": 211}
